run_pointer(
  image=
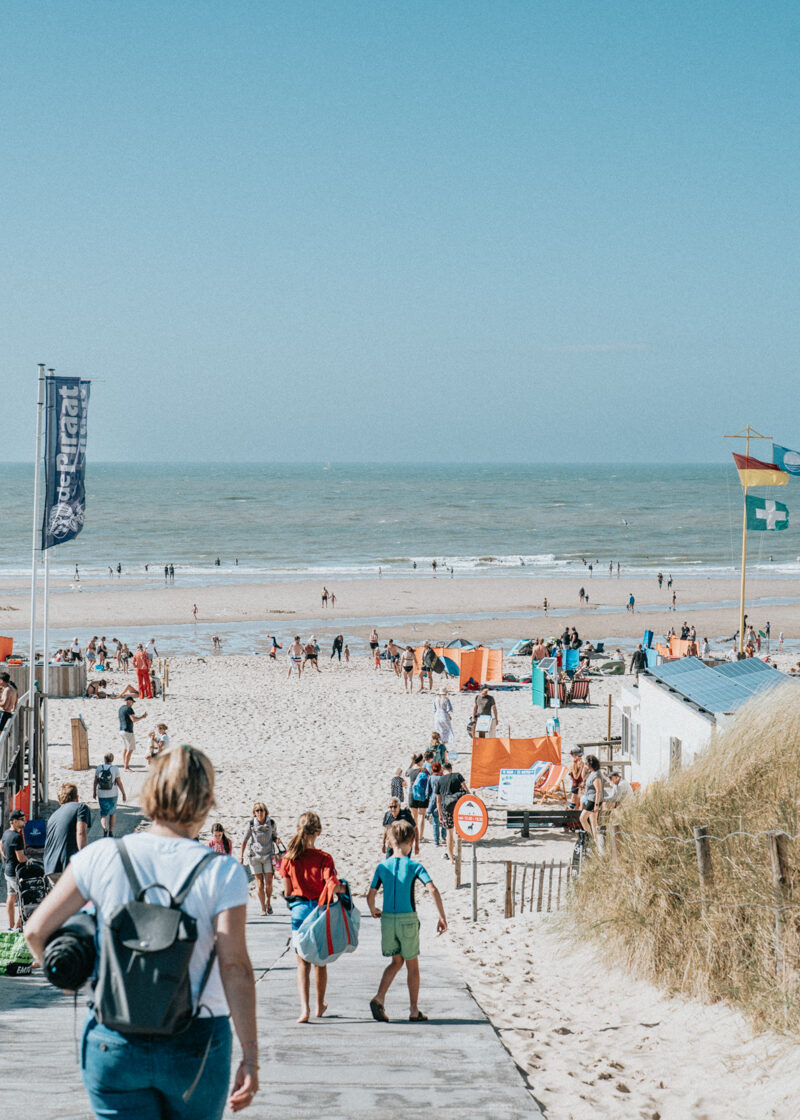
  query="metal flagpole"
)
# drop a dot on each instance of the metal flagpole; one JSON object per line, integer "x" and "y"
{"x": 37, "y": 529}
{"x": 45, "y": 664}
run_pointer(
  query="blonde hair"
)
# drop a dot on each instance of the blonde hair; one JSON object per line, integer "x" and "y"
{"x": 400, "y": 834}
{"x": 259, "y": 805}
{"x": 67, "y": 791}
{"x": 179, "y": 787}
{"x": 308, "y": 825}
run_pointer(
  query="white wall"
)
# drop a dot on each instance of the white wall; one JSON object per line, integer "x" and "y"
{"x": 655, "y": 716}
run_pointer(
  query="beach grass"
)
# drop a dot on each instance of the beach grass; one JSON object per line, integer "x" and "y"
{"x": 646, "y": 905}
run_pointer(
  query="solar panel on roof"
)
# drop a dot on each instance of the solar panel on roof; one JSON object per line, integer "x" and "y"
{"x": 721, "y": 688}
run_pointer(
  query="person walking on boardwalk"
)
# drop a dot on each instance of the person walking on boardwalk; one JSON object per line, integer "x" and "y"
{"x": 12, "y": 853}
{"x": 106, "y": 783}
{"x": 305, "y": 871}
{"x": 262, "y": 835}
{"x": 184, "y": 1075}
{"x": 399, "y": 921}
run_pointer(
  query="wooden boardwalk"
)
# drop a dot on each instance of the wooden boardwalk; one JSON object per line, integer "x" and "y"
{"x": 343, "y": 1066}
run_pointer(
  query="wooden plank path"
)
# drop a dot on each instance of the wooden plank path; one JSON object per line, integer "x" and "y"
{"x": 343, "y": 1066}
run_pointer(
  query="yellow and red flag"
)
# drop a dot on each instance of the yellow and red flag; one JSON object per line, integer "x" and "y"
{"x": 753, "y": 472}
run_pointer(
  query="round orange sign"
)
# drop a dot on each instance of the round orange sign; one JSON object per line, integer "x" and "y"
{"x": 470, "y": 818}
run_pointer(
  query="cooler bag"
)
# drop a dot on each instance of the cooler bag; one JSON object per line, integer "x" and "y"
{"x": 329, "y": 930}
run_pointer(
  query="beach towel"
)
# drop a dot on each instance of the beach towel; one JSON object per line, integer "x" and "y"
{"x": 330, "y": 929}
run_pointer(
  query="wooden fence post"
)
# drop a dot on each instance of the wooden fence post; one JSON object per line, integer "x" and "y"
{"x": 514, "y": 893}
{"x": 778, "y": 855}
{"x": 704, "y": 865}
{"x": 508, "y": 889}
{"x": 608, "y": 736}
{"x": 458, "y": 862}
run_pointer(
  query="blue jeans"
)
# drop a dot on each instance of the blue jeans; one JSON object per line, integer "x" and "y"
{"x": 433, "y": 817}
{"x": 130, "y": 1078}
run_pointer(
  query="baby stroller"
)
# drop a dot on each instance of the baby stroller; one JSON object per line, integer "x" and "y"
{"x": 32, "y": 886}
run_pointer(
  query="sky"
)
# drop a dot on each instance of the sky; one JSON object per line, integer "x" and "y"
{"x": 498, "y": 231}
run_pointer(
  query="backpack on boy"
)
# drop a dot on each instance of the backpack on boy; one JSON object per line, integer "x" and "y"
{"x": 143, "y": 984}
{"x": 105, "y": 779}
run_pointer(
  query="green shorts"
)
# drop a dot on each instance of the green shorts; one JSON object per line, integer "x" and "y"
{"x": 400, "y": 934}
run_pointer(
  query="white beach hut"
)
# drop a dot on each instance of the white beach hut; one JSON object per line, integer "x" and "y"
{"x": 667, "y": 719}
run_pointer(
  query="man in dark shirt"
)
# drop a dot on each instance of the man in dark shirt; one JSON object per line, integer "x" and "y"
{"x": 451, "y": 787}
{"x": 126, "y": 721}
{"x": 638, "y": 661}
{"x": 67, "y": 832}
{"x": 485, "y": 706}
{"x": 12, "y": 850}
{"x": 394, "y": 813}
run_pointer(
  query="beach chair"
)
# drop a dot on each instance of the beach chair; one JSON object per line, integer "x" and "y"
{"x": 539, "y": 771}
{"x": 553, "y": 786}
{"x": 579, "y": 691}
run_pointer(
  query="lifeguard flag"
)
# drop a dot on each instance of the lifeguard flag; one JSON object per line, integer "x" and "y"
{"x": 763, "y": 513}
{"x": 752, "y": 472}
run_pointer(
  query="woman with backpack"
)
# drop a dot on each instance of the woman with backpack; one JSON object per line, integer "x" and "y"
{"x": 147, "y": 1050}
{"x": 106, "y": 783}
{"x": 262, "y": 836}
{"x": 305, "y": 870}
{"x": 420, "y": 791}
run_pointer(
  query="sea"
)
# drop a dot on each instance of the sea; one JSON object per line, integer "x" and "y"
{"x": 343, "y": 521}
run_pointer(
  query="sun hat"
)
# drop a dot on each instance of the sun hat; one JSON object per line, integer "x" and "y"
{"x": 443, "y": 692}
{"x": 17, "y": 815}
{"x": 576, "y": 750}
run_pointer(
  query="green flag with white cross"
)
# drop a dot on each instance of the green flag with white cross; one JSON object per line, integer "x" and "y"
{"x": 764, "y": 513}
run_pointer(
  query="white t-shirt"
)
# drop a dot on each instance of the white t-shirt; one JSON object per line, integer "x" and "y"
{"x": 221, "y": 885}
{"x": 108, "y": 794}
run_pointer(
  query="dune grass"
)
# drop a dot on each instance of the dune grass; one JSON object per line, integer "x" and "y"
{"x": 748, "y": 780}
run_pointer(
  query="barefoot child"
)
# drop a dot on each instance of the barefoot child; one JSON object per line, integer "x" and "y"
{"x": 399, "y": 921}
{"x": 305, "y": 870}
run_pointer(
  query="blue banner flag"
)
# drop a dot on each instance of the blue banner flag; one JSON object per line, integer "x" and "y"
{"x": 66, "y": 407}
{"x": 787, "y": 460}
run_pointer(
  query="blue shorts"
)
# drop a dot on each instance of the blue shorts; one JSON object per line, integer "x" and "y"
{"x": 108, "y": 805}
{"x": 300, "y": 909}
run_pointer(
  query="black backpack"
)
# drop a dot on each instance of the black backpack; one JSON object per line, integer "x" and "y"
{"x": 143, "y": 983}
{"x": 105, "y": 779}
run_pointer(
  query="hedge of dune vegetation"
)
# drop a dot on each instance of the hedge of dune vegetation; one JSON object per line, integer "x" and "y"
{"x": 644, "y": 905}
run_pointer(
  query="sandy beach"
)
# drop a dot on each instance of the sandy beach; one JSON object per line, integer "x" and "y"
{"x": 331, "y": 742}
{"x": 481, "y": 607}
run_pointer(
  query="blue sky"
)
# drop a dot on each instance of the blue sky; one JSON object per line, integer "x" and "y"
{"x": 501, "y": 230}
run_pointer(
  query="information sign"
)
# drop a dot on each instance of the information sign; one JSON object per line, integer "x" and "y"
{"x": 516, "y": 787}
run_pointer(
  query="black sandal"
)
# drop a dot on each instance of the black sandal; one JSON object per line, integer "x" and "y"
{"x": 418, "y": 1018}
{"x": 378, "y": 1011}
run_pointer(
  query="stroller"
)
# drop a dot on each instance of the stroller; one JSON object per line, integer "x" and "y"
{"x": 32, "y": 887}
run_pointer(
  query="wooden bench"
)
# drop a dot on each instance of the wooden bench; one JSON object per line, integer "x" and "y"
{"x": 526, "y": 819}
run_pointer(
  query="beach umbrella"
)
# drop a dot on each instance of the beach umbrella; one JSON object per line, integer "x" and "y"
{"x": 459, "y": 643}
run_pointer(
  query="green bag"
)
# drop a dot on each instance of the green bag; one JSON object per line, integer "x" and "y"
{"x": 15, "y": 956}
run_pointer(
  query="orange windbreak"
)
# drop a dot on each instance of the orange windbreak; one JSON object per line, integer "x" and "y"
{"x": 490, "y": 756}
{"x": 6, "y": 647}
{"x": 480, "y": 664}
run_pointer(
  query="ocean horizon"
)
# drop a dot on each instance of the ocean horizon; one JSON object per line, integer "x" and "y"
{"x": 348, "y": 520}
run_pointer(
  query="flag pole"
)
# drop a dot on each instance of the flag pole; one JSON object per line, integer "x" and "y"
{"x": 746, "y": 434}
{"x": 37, "y": 529}
{"x": 744, "y": 551}
{"x": 46, "y": 663}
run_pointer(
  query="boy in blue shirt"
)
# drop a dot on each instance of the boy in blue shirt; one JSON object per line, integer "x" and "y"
{"x": 399, "y": 921}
